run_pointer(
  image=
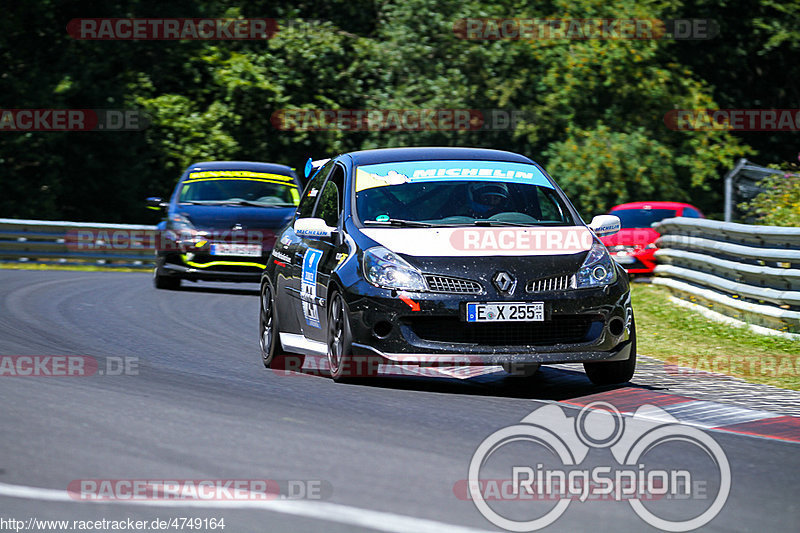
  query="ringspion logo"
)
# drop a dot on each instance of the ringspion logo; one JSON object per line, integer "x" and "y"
{"x": 517, "y": 472}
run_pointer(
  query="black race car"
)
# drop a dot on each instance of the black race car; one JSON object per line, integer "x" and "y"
{"x": 221, "y": 221}
{"x": 441, "y": 256}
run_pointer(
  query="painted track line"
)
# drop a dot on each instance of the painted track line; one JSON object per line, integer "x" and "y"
{"x": 329, "y": 512}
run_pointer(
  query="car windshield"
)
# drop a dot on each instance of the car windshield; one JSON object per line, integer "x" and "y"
{"x": 457, "y": 193}
{"x": 642, "y": 218}
{"x": 237, "y": 186}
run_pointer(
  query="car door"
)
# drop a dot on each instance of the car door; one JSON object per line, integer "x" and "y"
{"x": 321, "y": 256}
{"x": 292, "y": 248}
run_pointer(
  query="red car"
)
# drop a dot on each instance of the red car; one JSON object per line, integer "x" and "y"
{"x": 633, "y": 247}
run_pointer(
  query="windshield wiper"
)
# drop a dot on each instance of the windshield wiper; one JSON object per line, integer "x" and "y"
{"x": 484, "y": 222}
{"x": 252, "y": 204}
{"x": 400, "y": 222}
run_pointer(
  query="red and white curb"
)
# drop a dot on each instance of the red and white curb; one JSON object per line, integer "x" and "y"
{"x": 700, "y": 413}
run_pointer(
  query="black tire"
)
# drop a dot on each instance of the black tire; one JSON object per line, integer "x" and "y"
{"x": 616, "y": 371}
{"x": 160, "y": 281}
{"x": 340, "y": 340}
{"x": 268, "y": 327}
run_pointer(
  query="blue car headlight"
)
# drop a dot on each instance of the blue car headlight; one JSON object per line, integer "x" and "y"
{"x": 597, "y": 269}
{"x": 386, "y": 269}
{"x": 182, "y": 230}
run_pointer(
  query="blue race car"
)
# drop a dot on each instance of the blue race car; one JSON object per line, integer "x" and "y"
{"x": 221, "y": 221}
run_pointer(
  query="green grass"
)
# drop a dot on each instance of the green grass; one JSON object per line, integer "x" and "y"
{"x": 680, "y": 336}
{"x": 87, "y": 268}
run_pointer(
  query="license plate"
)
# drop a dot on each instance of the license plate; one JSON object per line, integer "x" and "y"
{"x": 245, "y": 250}
{"x": 505, "y": 312}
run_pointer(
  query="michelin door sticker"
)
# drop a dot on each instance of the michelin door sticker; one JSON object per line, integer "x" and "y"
{"x": 523, "y": 477}
{"x": 308, "y": 286}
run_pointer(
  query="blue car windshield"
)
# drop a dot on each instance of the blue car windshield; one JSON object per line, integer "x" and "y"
{"x": 458, "y": 192}
{"x": 233, "y": 186}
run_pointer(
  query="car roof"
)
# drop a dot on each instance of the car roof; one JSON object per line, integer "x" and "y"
{"x": 653, "y": 205}
{"x": 241, "y": 165}
{"x": 387, "y": 155}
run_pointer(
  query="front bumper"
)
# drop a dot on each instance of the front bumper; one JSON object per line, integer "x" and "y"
{"x": 581, "y": 325}
{"x": 213, "y": 268}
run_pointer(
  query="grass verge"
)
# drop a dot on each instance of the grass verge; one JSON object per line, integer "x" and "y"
{"x": 682, "y": 337}
{"x": 86, "y": 268}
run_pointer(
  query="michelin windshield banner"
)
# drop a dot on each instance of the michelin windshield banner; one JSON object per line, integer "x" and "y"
{"x": 398, "y": 173}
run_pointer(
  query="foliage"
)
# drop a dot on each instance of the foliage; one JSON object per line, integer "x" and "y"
{"x": 592, "y": 110}
{"x": 779, "y": 203}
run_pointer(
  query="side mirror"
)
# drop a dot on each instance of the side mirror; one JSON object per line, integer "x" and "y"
{"x": 313, "y": 228}
{"x": 157, "y": 203}
{"x": 605, "y": 225}
{"x": 312, "y": 166}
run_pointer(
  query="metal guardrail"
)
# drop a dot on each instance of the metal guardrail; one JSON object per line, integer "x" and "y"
{"x": 77, "y": 243}
{"x": 745, "y": 271}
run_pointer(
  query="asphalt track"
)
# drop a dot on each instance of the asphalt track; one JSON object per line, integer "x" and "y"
{"x": 200, "y": 405}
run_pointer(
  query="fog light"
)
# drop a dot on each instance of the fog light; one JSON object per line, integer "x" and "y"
{"x": 382, "y": 329}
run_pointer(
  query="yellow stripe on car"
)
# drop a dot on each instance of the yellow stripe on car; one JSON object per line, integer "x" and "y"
{"x": 221, "y": 263}
{"x": 222, "y": 174}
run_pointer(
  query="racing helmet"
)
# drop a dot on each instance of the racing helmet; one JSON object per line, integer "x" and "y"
{"x": 488, "y": 196}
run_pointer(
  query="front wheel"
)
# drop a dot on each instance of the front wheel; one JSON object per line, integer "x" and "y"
{"x": 160, "y": 281}
{"x": 616, "y": 371}
{"x": 267, "y": 326}
{"x": 340, "y": 340}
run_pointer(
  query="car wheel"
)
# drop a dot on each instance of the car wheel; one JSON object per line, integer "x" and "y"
{"x": 615, "y": 371}
{"x": 268, "y": 327}
{"x": 160, "y": 281}
{"x": 340, "y": 340}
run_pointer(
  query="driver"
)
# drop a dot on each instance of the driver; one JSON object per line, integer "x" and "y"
{"x": 488, "y": 198}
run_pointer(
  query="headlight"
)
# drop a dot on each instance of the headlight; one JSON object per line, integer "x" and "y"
{"x": 597, "y": 269}
{"x": 387, "y": 269}
{"x": 183, "y": 229}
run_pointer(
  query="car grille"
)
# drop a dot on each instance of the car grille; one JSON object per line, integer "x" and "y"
{"x": 556, "y": 283}
{"x": 570, "y": 329}
{"x": 454, "y": 285}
